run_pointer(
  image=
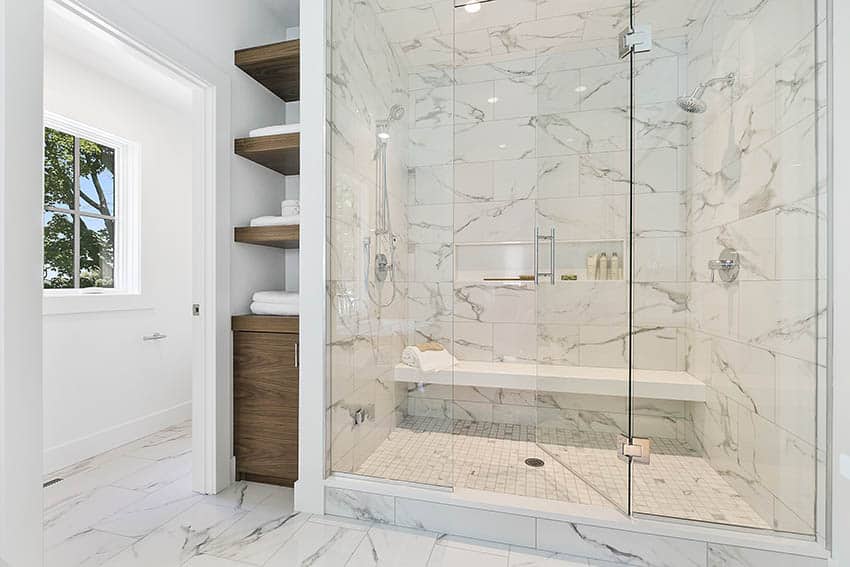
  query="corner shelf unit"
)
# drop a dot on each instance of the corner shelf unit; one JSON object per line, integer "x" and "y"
{"x": 275, "y": 236}
{"x": 277, "y": 67}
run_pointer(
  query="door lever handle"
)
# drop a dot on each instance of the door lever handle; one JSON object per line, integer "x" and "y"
{"x": 155, "y": 337}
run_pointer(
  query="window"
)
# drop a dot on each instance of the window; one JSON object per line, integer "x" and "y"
{"x": 79, "y": 212}
{"x": 90, "y": 227}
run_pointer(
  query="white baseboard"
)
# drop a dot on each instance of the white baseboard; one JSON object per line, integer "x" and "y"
{"x": 61, "y": 456}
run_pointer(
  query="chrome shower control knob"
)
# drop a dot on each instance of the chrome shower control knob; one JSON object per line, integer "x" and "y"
{"x": 727, "y": 265}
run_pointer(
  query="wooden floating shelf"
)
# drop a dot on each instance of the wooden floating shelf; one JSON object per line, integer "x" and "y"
{"x": 265, "y": 323}
{"x": 276, "y": 236}
{"x": 280, "y": 152}
{"x": 275, "y": 66}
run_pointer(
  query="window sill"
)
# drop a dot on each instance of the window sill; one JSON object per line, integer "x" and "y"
{"x": 71, "y": 303}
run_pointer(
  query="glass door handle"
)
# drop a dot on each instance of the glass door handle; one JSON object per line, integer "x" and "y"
{"x": 537, "y": 238}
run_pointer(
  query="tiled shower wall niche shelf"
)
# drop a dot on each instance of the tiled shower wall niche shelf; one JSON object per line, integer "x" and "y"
{"x": 480, "y": 261}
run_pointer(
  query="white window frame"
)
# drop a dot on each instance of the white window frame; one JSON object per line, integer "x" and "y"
{"x": 127, "y": 290}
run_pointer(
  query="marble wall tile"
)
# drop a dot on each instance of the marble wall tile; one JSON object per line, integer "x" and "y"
{"x": 584, "y": 218}
{"x": 558, "y": 177}
{"x": 796, "y": 397}
{"x": 360, "y": 505}
{"x": 780, "y": 316}
{"x": 472, "y": 340}
{"x": 495, "y": 140}
{"x": 499, "y": 221}
{"x": 467, "y": 522}
{"x": 745, "y": 374}
{"x": 582, "y": 132}
{"x": 558, "y": 343}
{"x": 514, "y": 342}
{"x": 730, "y": 556}
{"x": 588, "y": 303}
{"x": 618, "y": 546}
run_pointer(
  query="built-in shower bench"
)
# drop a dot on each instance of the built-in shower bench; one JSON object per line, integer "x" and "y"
{"x": 651, "y": 384}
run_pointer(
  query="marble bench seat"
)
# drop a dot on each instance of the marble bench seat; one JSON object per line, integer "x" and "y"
{"x": 650, "y": 384}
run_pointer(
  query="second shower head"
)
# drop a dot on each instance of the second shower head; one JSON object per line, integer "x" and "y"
{"x": 693, "y": 102}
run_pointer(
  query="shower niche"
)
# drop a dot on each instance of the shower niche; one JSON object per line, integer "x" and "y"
{"x": 505, "y": 262}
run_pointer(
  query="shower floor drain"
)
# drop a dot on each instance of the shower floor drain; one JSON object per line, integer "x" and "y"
{"x": 536, "y": 463}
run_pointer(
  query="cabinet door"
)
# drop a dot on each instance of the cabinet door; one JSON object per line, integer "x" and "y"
{"x": 265, "y": 390}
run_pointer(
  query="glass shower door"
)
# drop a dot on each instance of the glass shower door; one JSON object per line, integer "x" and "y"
{"x": 583, "y": 132}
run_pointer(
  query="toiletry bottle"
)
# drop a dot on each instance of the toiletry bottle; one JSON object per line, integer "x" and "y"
{"x": 591, "y": 267}
{"x": 602, "y": 272}
{"x": 616, "y": 269}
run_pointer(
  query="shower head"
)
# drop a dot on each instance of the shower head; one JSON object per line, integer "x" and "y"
{"x": 693, "y": 102}
{"x": 396, "y": 113}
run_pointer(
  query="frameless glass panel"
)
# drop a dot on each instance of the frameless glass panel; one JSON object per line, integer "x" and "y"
{"x": 725, "y": 233}
{"x": 97, "y": 178}
{"x": 540, "y": 121}
{"x": 58, "y": 169}
{"x": 97, "y": 252}
{"x": 58, "y": 251}
{"x": 390, "y": 266}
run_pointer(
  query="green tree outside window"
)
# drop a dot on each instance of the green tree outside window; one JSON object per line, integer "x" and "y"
{"x": 79, "y": 212}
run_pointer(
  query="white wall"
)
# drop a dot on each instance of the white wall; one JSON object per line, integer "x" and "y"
{"x": 103, "y": 385}
{"x": 20, "y": 277}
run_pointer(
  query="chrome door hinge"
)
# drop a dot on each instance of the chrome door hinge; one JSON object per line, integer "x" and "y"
{"x": 636, "y": 40}
{"x": 638, "y": 450}
{"x": 196, "y": 310}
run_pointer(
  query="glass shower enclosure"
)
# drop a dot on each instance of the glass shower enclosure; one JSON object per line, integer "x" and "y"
{"x": 575, "y": 253}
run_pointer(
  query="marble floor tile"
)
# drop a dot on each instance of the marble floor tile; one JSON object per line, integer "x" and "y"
{"x": 319, "y": 544}
{"x": 181, "y": 539}
{"x": 76, "y": 515}
{"x": 391, "y": 546}
{"x": 142, "y": 517}
{"x": 89, "y": 548}
{"x": 158, "y": 474}
{"x": 258, "y": 535}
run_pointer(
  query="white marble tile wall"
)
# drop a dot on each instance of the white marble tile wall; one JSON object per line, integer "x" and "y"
{"x": 367, "y": 321}
{"x": 752, "y": 185}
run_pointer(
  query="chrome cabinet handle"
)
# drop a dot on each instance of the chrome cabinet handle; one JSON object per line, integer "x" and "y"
{"x": 155, "y": 337}
{"x": 296, "y": 355}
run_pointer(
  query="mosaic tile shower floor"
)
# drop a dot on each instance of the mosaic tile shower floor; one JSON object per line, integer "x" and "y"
{"x": 491, "y": 456}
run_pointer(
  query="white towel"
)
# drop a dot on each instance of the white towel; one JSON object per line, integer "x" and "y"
{"x": 275, "y": 221}
{"x": 275, "y": 130}
{"x": 290, "y": 207}
{"x": 258, "y": 308}
{"x": 280, "y": 297}
{"x": 428, "y": 361}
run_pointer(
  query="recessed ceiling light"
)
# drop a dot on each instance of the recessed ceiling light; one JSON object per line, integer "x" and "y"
{"x": 581, "y": 88}
{"x": 384, "y": 135}
{"x": 472, "y": 7}
{"x": 493, "y": 99}
{"x": 502, "y": 146}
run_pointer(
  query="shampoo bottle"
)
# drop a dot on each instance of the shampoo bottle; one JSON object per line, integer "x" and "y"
{"x": 602, "y": 273}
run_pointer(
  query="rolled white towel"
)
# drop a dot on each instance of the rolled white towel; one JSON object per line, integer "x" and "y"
{"x": 275, "y": 221}
{"x": 275, "y": 130}
{"x": 428, "y": 361}
{"x": 258, "y": 308}
{"x": 290, "y": 207}
{"x": 284, "y": 297}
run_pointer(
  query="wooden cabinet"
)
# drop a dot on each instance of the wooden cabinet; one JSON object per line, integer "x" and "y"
{"x": 265, "y": 390}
